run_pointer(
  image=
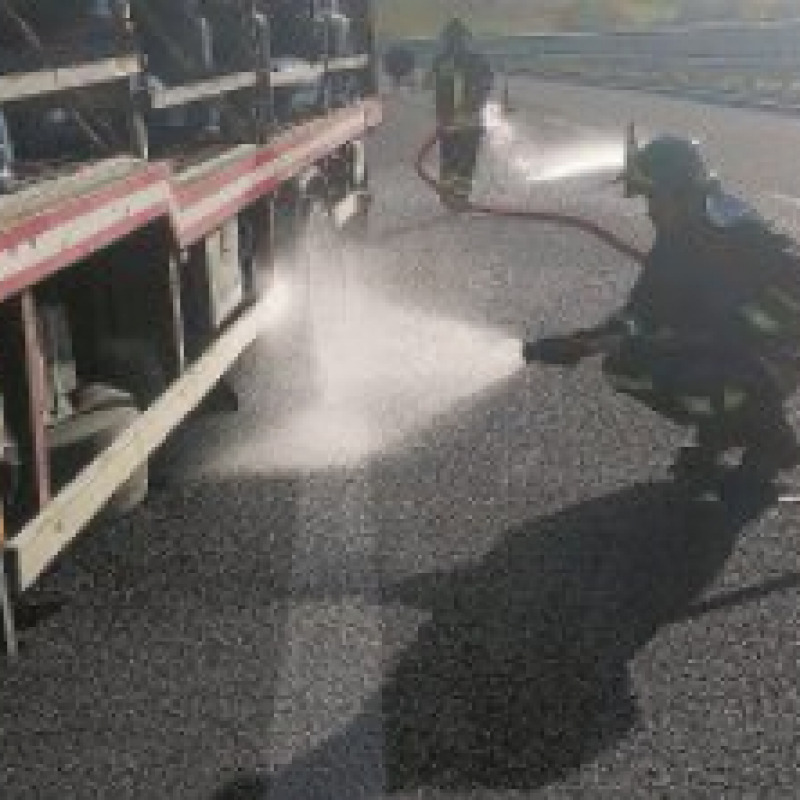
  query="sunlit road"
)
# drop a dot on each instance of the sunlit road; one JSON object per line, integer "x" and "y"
{"x": 411, "y": 567}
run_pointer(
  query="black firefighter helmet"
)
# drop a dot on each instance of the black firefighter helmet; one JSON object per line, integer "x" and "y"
{"x": 666, "y": 165}
{"x": 455, "y": 34}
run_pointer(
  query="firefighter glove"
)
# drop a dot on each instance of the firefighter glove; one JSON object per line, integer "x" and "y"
{"x": 565, "y": 351}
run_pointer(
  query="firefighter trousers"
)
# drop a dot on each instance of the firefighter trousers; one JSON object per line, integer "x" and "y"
{"x": 731, "y": 397}
{"x": 458, "y": 158}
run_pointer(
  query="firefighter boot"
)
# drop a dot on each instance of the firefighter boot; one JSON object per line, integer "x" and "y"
{"x": 699, "y": 465}
{"x": 771, "y": 448}
{"x": 696, "y": 464}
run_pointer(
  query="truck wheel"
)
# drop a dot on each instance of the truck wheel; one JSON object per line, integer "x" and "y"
{"x": 133, "y": 366}
{"x": 102, "y": 413}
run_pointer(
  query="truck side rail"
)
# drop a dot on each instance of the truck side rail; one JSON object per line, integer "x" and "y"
{"x": 19, "y": 86}
{"x": 348, "y": 64}
{"x": 204, "y": 199}
{"x": 52, "y": 225}
{"x": 170, "y": 97}
{"x": 27, "y": 85}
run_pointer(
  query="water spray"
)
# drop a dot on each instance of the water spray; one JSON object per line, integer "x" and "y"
{"x": 360, "y": 373}
{"x": 533, "y": 215}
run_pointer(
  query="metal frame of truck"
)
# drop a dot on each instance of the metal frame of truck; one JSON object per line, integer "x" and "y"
{"x": 115, "y": 214}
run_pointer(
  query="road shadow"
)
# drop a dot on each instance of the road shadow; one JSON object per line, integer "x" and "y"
{"x": 521, "y": 674}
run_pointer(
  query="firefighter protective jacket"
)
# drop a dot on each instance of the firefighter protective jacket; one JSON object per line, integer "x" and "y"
{"x": 728, "y": 280}
{"x": 462, "y": 80}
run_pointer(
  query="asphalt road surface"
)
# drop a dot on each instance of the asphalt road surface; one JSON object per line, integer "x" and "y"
{"x": 409, "y": 566}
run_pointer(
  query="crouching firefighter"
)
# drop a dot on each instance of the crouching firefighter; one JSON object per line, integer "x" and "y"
{"x": 462, "y": 80}
{"x": 710, "y": 334}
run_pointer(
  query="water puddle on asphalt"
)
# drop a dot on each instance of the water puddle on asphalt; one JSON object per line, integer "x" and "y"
{"x": 380, "y": 371}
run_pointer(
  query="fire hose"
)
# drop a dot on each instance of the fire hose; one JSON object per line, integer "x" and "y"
{"x": 511, "y": 212}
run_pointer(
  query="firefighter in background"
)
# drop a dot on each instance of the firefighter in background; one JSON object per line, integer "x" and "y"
{"x": 710, "y": 334}
{"x": 462, "y": 80}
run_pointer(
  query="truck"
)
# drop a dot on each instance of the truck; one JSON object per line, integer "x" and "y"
{"x": 152, "y": 153}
